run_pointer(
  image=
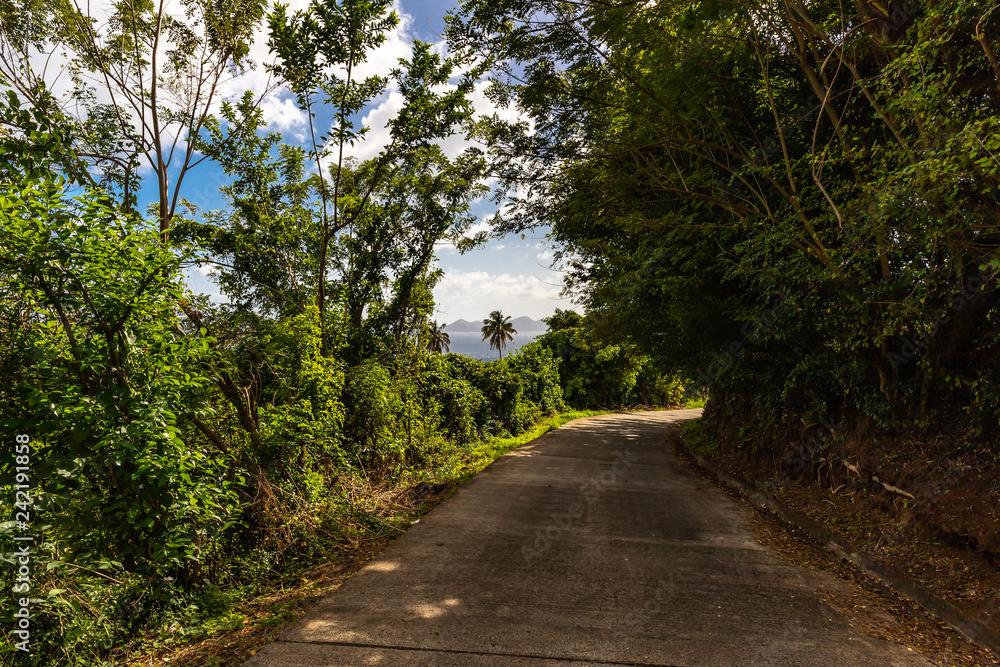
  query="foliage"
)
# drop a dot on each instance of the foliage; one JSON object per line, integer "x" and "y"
{"x": 178, "y": 437}
{"x": 100, "y": 374}
{"x": 144, "y": 79}
{"x": 594, "y": 373}
{"x": 795, "y": 202}
{"x": 107, "y": 384}
{"x": 386, "y": 215}
{"x": 436, "y": 338}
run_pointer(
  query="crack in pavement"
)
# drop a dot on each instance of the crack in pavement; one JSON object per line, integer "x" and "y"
{"x": 491, "y": 654}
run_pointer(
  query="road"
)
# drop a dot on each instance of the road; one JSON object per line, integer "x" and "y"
{"x": 591, "y": 545}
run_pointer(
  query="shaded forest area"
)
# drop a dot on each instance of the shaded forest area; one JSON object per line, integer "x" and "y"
{"x": 793, "y": 203}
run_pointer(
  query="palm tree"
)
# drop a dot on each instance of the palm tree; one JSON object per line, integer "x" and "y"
{"x": 437, "y": 339}
{"x": 498, "y": 330}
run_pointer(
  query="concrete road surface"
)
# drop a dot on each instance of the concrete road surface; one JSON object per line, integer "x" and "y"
{"x": 591, "y": 545}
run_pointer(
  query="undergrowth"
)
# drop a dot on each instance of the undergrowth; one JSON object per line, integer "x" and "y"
{"x": 252, "y": 593}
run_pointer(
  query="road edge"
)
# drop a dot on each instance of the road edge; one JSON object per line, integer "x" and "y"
{"x": 970, "y": 627}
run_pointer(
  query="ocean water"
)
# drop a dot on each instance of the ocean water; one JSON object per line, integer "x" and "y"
{"x": 471, "y": 344}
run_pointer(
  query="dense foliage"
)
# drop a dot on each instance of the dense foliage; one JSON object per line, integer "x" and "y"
{"x": 795, "y": 202}
{"x": 596, "y": 373}
{"x": 142, "y": 470}
{"x": 183, "y": 451}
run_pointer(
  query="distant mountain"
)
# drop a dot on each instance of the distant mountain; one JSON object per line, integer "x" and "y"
{"x": 463, "y": 326}
{"x": 526, "y": 324}
{"x": 521, "y": 324}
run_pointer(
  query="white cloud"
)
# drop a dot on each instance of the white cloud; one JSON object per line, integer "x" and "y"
{"x": 485, "y": 224}
{"x": 473, "y": 294}
{"x": 544, "y": 256}
{"x": 282, "y": 114}
{"x": 504, "y": 285}
{"x": 206, "y": 269}
{"x": 377, "y": 119}
{"x": 381, "y": 62}
{"x": 396, "y": 45}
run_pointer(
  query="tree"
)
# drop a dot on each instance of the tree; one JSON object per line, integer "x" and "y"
{"x": 498, "y": 330}
{"x": 592, "y": 373}
{"x": 145, "y": 79}
{"x": 143, "y": 82}
{"x": 700, "y": 162}
{"x": 437, "y": 340}
{"x": 100, "y": 372}
{"x": 318, "y": 50}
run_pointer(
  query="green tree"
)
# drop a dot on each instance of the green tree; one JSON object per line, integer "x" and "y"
{"x": 701, "y": 161}
{"x": 109, "y": 386}
{"x": 498, "y": 330}
{"x": 144, "y": 81}
{"x": 318, "y": 50}
{"x": 592, "y": 373}
{"x": 437, "y": 339}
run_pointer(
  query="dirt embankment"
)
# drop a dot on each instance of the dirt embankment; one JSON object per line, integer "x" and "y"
{"x": 927, "y": 506}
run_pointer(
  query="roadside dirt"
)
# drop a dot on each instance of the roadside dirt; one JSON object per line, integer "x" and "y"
{"x": 957, "y": 574}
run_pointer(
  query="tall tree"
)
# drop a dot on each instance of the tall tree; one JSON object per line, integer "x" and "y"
{"x": 498, "y": 330}
{"x": 319, "y": 50}
{"x": 701, "y": 161}
{"x": 437, "y": 339}
{"x": 141, "y": 82}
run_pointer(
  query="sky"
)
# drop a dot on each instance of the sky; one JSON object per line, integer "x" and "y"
{"x": 511, "y": 274}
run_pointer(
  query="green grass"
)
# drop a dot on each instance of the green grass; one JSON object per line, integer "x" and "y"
{"x": 696, "y": 440}
{"x": 485, "y": 453}
{"x": 696, "y": 403}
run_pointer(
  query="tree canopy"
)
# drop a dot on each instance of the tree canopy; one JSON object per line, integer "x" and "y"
{"x": 699, "y": 162}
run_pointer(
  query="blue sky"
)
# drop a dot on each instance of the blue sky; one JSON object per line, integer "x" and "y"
{"x": 510, "y": 274}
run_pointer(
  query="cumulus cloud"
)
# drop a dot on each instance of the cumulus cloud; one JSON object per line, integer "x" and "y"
{"x": 389, "y": 106}
{"x": 544, "y": 256}
{"x": 382, "y": 62}
{"x": 473, "y": 294}
{"x": 485, "y": 224}
{"x": 377, "y": 119}
{"x": 282, "y": 114}
{"x": 206, "y": 269}
{"x": 503, "y": 285}
{"x": 396, "y": 45}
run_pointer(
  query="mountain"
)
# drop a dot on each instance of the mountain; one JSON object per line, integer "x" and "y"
{"x": 521, "y": 324}
{"x": 463, "y": 326}
{"x": 526, "y": 324}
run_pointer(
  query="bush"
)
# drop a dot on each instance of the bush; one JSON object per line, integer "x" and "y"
{"x": 110, "y": 386}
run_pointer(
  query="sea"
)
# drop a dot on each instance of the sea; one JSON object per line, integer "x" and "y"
{"x": 471, "y": 344}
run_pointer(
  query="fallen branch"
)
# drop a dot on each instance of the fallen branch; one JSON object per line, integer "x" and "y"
{"x": 894, "y": 489}
{"x": 885, "y": 485}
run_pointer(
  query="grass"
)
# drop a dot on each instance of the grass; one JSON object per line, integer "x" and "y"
{"x": 484, "y": 454}
{"x": 696, "y": 440}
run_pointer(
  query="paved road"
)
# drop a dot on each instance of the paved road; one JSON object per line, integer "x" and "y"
{"x": 591, "y": 545}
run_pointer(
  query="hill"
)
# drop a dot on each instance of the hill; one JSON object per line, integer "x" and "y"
{"x": 525, "y": 324}
{"x": 463, "y": 326}
{"x": 521, "y": 324}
